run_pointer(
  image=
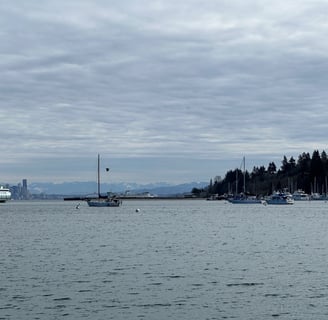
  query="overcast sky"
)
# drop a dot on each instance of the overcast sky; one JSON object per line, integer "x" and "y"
{"x": 164, "y": 90}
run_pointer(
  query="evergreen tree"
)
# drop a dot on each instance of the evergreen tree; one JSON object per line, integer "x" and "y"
{"x": 292, "y": 163}
{"x": 285, "y": 165}
{"x": 324, "y": 160}
{"x": 272, "y": 168}
{"x": 304, "y": 162}
{"x": 316, "y": 166}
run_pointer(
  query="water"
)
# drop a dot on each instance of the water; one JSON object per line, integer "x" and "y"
{"x": 172, "y": 260}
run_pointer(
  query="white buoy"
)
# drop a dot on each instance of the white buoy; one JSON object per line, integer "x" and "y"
{"x": 77, "y": 206}
{"x": 137, "y": 210}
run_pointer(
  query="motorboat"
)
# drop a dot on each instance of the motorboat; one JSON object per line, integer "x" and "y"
{"x": 5, "y": 194}
{"x": 300, "y": 195}
{"x": 280, "y": 198}
{"x": 317, "y": 196}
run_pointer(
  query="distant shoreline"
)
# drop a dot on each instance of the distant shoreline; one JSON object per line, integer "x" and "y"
{"x": 139, "y": 198}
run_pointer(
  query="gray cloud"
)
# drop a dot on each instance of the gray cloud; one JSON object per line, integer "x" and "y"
{"x": 165, "y": 80}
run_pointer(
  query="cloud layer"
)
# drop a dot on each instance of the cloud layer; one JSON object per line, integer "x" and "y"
{"x": 202, "y": 82}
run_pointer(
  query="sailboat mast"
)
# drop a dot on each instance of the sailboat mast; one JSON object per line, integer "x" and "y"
{"x": 98, "y": 175}
{"x": 244, "y": 177}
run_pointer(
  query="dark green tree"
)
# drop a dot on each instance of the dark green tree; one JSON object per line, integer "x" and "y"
{"x": 284, "y": 165}
{"x": 272, "y": 169}
{"x": 316, "y": 165}
{"x": 304, "y": 163}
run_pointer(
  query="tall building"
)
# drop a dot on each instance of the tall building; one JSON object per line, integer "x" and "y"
{"x": 24, "y": 190}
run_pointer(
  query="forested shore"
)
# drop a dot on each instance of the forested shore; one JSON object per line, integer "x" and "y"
{"x": 308, "y": 172}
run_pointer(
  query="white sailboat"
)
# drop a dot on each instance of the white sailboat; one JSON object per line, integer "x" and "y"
{"x": 242, "y": 198}
{"x": 102, "y": 201}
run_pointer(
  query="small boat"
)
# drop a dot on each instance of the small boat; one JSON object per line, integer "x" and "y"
{"x": 5, "y": 194}
{"x": 317, "y": 196}
{"x": 300, "y": 195}
{"x": 243, "y": 198}
{"x": 103, "y": 201}
{"x": 280, "y": 198}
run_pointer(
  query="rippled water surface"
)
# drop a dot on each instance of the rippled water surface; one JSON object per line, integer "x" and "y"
{"x": 187, "y": 259}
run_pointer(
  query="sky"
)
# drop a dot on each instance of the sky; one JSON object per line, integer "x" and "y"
{"x": 173, "y": 91}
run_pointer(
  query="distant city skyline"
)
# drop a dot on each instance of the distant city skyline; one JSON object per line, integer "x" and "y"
{"x": 163, "y": 91}
{"x": 20, "y": 190}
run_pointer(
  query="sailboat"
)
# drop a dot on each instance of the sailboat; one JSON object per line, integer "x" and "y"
{"x": 103, "y": 201}
{"x": 242, "y": 198}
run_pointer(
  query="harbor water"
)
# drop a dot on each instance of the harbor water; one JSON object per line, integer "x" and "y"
{"x": 172, "y": 259}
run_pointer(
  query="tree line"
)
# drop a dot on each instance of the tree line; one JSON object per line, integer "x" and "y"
{"x": 308, "y": 173}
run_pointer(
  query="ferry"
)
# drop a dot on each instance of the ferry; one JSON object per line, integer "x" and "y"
{"x": 5, "y": 194}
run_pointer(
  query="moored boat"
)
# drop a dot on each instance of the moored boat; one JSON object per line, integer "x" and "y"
{"x": 280, "y": 198}
{"x": 104, "y": 202}
{"x": 243, "y": 198}
{"x": 101, "y": 201}
{"x": 300, "y": 195}
{"x": 318, "y": 196}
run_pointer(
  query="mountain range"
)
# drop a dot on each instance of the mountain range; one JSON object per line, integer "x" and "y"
{"x": 86, "y": 188}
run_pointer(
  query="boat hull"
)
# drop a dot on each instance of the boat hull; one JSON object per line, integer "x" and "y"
{"x": 244, "y": 201}
{"x": 280, "y": 202}
{"x": 104, "y": 203}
